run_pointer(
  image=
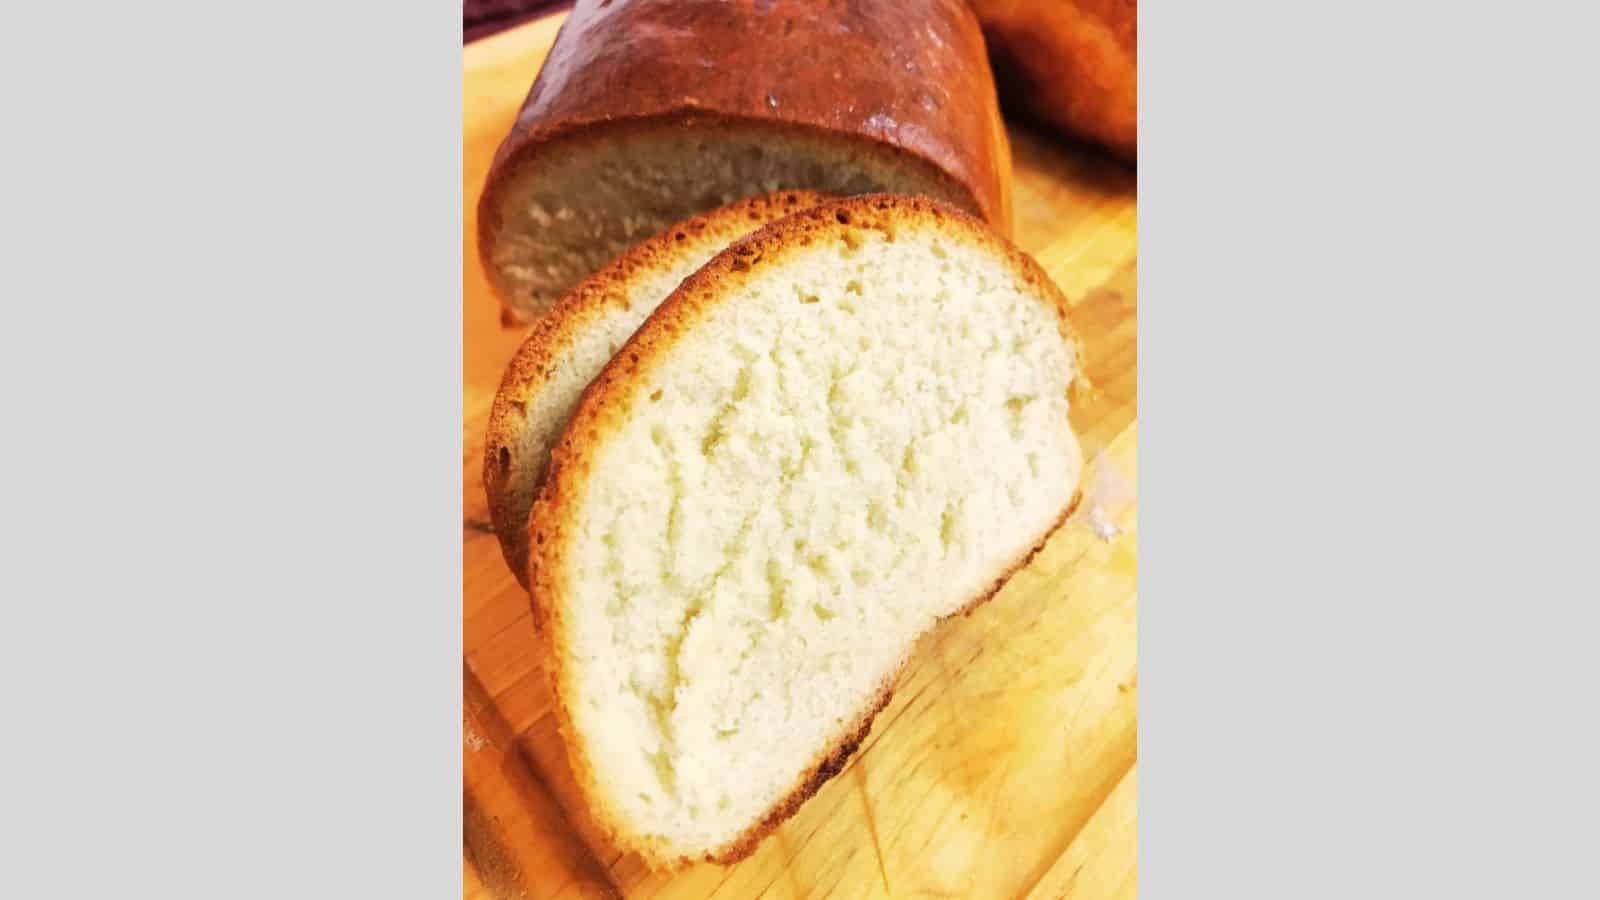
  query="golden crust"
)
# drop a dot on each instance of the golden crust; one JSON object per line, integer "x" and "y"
{"x": 609, "y": 399}
{"x": 922, "y": 97}
{"x": 1073, "y": 64}
{"x": 508, "y": 476}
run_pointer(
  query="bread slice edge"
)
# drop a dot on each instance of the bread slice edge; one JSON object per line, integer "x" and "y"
{"x": 509, "y": 471}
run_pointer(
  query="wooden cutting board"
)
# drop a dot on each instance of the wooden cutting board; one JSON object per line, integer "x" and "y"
{"x": 1004, "y": 765}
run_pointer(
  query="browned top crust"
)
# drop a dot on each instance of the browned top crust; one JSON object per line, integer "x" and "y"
{"x": 912, "y": 74}
{"x": 507, "y": 475}
{"x": 606, "y": 404}
{"x": 1071, "y": 63}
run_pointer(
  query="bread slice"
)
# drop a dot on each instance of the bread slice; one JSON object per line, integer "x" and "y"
{"x": 843, "y": 429}
{"x": 567, "y": 348}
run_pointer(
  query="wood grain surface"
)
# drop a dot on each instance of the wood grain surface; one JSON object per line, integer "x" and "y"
{"x": 1004, "y": 765}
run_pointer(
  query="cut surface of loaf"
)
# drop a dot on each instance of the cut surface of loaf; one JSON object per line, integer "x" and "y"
{"x": 845, "y": 427}
{"x": 648, "y": 111}
{"x": 567, "y": 348}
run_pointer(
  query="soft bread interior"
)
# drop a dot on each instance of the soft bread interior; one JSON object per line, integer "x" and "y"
{"x": 598, "y": 318}
{"x": 579, "y": 203}
{"x": 861, "y": 441}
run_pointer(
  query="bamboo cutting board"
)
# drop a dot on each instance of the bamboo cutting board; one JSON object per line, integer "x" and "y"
{"x": 1004, "y": 765}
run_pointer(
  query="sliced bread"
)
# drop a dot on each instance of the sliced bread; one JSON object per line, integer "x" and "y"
{"x": 567, "y": 348}
{"x": 841, "y": 430}
{"x": 646, "y": 112}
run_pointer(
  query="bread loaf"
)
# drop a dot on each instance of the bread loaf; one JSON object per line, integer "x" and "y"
{"x": 648, "y": 111}
{"x": 841, "y": 430}
{"x": 568, "y": 347}
{"x": 1071, "y": 63}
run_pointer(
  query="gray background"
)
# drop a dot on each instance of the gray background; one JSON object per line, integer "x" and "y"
{"x": 231, "y": 355}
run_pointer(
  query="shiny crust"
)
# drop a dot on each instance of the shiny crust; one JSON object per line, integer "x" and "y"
{"x": 504, "y": 468}
{"x": 605, "y": 406}
{"x": 904, "y": 79}
{"x": 1071, "y": 63}
{"x": 910, "y": 73}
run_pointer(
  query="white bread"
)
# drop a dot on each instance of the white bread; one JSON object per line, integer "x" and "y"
{"x": 567, "y": 348}
{"x": 648, "y": 111}
{"x": 844, "y": 428}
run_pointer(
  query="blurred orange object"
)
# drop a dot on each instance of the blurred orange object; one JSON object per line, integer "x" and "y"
{"x": 1071, "y": 63}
